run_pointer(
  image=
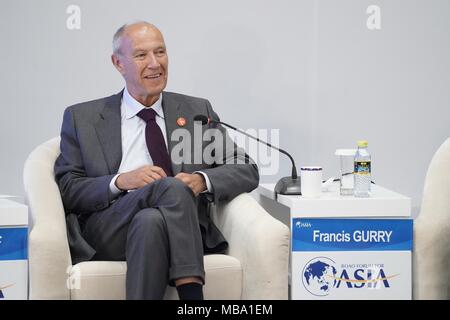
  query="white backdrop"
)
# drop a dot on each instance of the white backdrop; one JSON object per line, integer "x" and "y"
{"x": 309, "y": 68}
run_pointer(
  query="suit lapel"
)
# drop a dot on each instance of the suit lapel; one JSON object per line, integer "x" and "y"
{"x": 108, "y": 130}
{"x": 171, "y": 110}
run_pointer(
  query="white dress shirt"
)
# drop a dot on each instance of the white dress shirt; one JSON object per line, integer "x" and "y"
{"x": 135, "y": 153}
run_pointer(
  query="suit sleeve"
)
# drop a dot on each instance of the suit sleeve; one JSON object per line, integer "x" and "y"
{"x": 80, "y": 193}
{"x": 234, "y": 172}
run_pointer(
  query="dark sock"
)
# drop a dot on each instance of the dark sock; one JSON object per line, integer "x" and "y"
{"x": 190, "y": 291}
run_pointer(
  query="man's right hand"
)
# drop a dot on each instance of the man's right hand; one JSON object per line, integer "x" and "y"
{"x": 140, "y": 177}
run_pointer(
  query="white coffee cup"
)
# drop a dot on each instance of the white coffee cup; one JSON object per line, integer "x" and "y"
{"x": 311, "y": 181}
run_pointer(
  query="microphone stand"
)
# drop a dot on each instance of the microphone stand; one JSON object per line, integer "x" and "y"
{"x": 289, "y": 185}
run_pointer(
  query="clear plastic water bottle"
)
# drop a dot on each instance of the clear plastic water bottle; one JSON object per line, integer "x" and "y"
{"x": 362, "y": 173}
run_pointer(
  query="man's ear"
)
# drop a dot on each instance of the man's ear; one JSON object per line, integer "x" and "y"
{"x": 117, "y": 62}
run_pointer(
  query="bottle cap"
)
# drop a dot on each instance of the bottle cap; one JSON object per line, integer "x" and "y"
{"x": 362, "y": 143}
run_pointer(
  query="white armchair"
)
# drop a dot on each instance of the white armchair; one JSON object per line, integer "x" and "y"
{"x": 255, "y": 266}
{"x": 431, "y": 276}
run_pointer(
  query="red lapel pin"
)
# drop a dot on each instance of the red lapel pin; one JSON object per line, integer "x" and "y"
{"x": 181, "y": 122}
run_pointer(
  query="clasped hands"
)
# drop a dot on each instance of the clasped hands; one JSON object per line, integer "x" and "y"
{"x": 144, "y": 175}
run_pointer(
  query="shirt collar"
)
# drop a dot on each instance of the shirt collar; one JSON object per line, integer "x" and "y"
{"x": 132, "y": 106}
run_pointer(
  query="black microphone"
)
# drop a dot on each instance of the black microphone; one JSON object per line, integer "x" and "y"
{"x": 287, "y": 185}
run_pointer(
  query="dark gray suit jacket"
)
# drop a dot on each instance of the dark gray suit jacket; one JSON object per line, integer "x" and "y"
{"x": 91, "y": 152}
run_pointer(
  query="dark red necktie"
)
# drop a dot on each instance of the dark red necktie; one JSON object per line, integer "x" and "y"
{"x": 155, "y": 141}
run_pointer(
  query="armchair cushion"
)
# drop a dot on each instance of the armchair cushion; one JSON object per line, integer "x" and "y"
{"x": 106, "y": 279}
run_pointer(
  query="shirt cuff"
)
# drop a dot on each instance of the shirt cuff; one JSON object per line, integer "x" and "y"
{"x": 112, "y": 186}
{"x": 208, "y": 183}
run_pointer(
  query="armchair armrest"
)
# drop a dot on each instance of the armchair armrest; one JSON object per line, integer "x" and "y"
{"x": 260, "y": 242}
{"x": 48, "y": 248}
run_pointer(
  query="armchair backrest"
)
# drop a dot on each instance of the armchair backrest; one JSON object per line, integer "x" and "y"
{"x": 432, "y": 231}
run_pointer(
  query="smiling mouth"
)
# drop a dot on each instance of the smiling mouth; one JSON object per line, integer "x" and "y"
{"x": 153, "y": 76}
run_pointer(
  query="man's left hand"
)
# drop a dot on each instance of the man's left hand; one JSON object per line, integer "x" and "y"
{"x": 195, "y": 181}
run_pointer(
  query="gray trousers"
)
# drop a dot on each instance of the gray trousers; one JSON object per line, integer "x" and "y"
{"x": 156, "y": 230}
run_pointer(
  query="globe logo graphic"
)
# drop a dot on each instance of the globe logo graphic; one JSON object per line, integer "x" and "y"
{"x": 319, "y": 276}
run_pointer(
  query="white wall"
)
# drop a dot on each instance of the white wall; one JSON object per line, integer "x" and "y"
{"x": 389, "y": 86}
{"x": 309, "y": 68}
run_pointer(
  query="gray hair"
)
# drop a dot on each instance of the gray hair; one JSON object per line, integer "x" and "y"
{"x": 117, "y": 38}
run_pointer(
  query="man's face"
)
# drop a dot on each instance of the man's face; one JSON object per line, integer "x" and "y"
{"x": 143, "y": 62}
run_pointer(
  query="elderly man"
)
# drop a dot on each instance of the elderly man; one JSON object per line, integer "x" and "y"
{"x": 127, "y": 195}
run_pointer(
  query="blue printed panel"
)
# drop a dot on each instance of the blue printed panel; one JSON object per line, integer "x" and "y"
{"x": 352, "y": 234}
{"x": 13, "y": 243}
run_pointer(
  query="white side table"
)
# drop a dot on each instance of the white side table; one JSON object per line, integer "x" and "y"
{"x": 344, "y": 247}
{"x": 13, "y": 250}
